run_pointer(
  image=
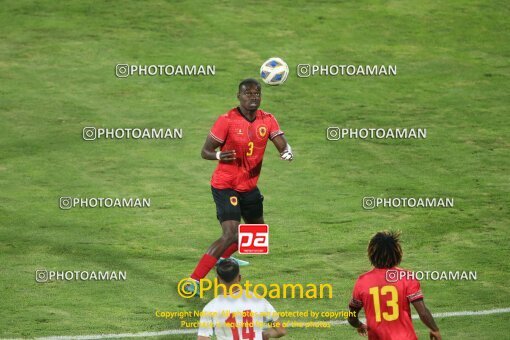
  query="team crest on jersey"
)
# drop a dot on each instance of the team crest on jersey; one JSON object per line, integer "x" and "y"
{"x": 233, "y": 200}
{"x": 262, "y": 131}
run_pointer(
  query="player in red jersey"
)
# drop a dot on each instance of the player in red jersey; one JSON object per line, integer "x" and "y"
{"x": 386, "y": 292}
{"x": 241, "y": 135}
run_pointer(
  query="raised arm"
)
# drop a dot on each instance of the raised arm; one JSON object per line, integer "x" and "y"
{"x": 209, "y": 151}
{"x": 283, "y": 148}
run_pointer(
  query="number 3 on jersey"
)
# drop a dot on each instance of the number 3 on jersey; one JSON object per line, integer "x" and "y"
{"x": 391, "y": 303}
{"x": 250, "y": 151}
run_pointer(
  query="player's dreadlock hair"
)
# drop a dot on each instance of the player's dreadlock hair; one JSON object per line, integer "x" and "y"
{"x": 249, "y": 81}
{"x": 384, "y": 249}
{"x": 227, "y": 270}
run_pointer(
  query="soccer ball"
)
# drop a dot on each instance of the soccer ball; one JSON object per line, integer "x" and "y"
{"x": 274, "y": 71}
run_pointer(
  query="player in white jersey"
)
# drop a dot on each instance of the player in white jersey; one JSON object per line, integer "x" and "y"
{"x": 237, "y": 318}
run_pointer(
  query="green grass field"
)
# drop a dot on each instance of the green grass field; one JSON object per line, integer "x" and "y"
{"x": 57, "y": 77}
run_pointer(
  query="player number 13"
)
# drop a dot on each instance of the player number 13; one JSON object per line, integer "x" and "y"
{"x": 391, "y": 303}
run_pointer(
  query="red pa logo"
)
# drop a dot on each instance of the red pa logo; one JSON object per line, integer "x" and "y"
{"x": 253, "y": 239}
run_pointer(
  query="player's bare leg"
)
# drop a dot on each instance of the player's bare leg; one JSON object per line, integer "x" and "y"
{"x": 234, "y": 247}
{"x": 228, "y": 237}
{"x": 227, "y": 243}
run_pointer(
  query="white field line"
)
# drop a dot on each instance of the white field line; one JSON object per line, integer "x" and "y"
{"x": 448, "y": 314}
{"x": 193, "y": 331}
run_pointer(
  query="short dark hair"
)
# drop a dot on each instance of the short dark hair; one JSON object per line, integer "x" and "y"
{"x": 249, "y": 81}
{"x": 384, "y": 249}
{"x": 227, "y": 270}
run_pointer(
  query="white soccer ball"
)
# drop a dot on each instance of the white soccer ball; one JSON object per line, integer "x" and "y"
{"x": 274, "y": 71}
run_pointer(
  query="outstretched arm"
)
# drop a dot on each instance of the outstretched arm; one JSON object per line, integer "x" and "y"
{"x": 209, "y": 151}
{"x": 427, "y": 319}
{"x": 283, "y": 148}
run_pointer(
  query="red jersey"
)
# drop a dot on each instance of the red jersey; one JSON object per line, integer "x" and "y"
{"x": 249, "y": 140}
{"x": 386, "y": 301}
